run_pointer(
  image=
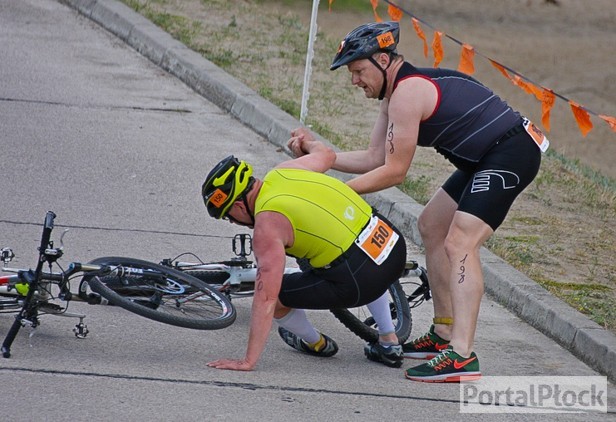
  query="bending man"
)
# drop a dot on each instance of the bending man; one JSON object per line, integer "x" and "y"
{"x": 298, "y": 211}
{"x": 495, "y": 150}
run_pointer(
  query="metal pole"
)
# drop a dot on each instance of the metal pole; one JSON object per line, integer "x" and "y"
{"x": 309, "y": 56}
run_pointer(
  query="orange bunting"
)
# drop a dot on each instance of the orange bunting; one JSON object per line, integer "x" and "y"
{"x": 375, "y": 4}
{"x": 610, "y": 121}
{"x": 547, "y": 102}
{"x": 582, "y": 117}
{"x": 466, "y": 60}
{"x": 518, "y": 81}
{"x": 421, "y": 35}
{"x": 528, "y": 87}
{"x": 537, "y": 91}
{"x": 437, "y": 47}
{"x": 394, "y": 12}
{"x": 466, "y": 65}
{"x": 500, "y": 68}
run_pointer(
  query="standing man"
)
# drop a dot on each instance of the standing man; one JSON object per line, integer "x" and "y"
{"x": 356, "y": 254}
{"x": 496, "y": 151}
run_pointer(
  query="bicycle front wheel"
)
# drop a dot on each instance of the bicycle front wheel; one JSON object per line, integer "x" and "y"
{"x": 360, "y": 321}
{"x": 162, "y": 294}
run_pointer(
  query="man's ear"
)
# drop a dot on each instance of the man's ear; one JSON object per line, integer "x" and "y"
{"x": 384, "y": 60}
{"x": 240, "y": 205}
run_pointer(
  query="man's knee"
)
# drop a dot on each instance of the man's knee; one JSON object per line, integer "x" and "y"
{"x": 462, "y": 241}
{"x": 430, "y": 227}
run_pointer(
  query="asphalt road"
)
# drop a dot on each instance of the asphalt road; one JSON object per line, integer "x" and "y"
{"x": 118, "y": 149}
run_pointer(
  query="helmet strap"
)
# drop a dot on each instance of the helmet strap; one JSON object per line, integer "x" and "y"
{"x": 248, "y": 210}
{"x": 384, "y": 72}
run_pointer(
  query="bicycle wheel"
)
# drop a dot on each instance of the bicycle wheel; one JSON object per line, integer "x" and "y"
{"x": 163, "y": 294}
{"x": 360, "y": 321}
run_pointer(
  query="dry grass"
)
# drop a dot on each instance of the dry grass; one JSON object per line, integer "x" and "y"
{"x": 561, "y": 230}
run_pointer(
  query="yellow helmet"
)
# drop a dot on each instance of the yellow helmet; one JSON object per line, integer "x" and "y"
{"x": 229, "y": 181}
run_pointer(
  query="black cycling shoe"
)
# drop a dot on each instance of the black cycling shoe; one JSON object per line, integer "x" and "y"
{"x": 330, "y": 348}
{"x": 389, "y": 355}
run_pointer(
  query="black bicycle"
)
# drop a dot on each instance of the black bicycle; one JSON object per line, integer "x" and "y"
{"x": 150, "y": 290}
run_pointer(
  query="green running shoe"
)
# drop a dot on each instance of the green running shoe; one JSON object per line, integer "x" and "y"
{"x": 448, "y": 366}
{"x": 425, "y": 347}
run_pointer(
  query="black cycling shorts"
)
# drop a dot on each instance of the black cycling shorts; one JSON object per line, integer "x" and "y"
{"x": 355, "y": 280}
{"x": 488, "y": 188}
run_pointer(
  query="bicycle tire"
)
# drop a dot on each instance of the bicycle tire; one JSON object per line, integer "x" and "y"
{"x": 210, "y": 311}
{"x": 359, "y": 321}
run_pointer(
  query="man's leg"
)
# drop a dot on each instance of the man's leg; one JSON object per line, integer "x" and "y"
{"x": 382, "y": 317}
{"x": 433, "y": 225}
{"x": 466, "y": 235}
{"x": 296, "y": 321}
{"x": 297, "y": 331}
{"x": 387, "y": 350}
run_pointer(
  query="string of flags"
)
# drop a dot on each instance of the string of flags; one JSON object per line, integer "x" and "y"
{"x": 545, "y": 96}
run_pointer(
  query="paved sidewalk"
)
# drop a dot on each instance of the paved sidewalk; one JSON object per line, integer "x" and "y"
{"x": 583, "y": 337}
{"x": 118, "y": 147}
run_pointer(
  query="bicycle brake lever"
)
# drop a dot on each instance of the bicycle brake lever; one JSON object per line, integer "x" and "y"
{"x": 62, "y": 239}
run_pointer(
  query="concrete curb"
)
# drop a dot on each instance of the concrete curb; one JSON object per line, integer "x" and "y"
{"x": 584, "y": 338}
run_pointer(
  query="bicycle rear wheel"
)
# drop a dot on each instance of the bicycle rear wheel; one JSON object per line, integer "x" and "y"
{"x": 360, "y": 321}
{"x": 163, "y": 294}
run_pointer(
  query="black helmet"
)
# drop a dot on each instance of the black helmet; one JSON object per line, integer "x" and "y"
{"x": 365, "y": 40}
{"x": 225, "y": 184}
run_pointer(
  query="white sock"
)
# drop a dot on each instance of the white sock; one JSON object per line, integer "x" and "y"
{"x": 297, "y": 322}
{"x": 382, "y": 315}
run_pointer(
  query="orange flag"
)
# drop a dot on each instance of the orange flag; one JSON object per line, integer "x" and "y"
{"x": 547, "y": 102}
{"x": 610, "y": 121}
{"x": 437, "y": 47}
{"x": 528, "y": 87}
{"x": 330, "y": 4}
{"x": 501, "y": 69}
{"x": 466, "y": 59}
{"x": 394, "y": 12}
{"x": 375, "y": 3}
{"x": 518, "y": 81}
{"x": 582, "y": 117}
{"x": 537, "y": 91}
{"x": 421, "y": 35}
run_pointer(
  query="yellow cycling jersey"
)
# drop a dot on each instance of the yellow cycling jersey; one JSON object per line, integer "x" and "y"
{"x": 326, "y": 214}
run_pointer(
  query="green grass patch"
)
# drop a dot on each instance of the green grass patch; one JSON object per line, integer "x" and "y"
{"x": 418, "y": 188}
{"x": 597, "y": 301}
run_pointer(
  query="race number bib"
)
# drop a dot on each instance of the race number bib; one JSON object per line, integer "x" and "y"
{"x": 377, "y": 240}
{"x": 537, "y": 135}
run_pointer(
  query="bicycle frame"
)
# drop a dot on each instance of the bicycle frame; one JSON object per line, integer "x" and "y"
{"x": 240, "y": 277}
{"x": 242, "y": 272}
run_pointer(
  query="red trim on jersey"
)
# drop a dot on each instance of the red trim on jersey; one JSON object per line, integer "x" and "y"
{"x": 438, "y": 91}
